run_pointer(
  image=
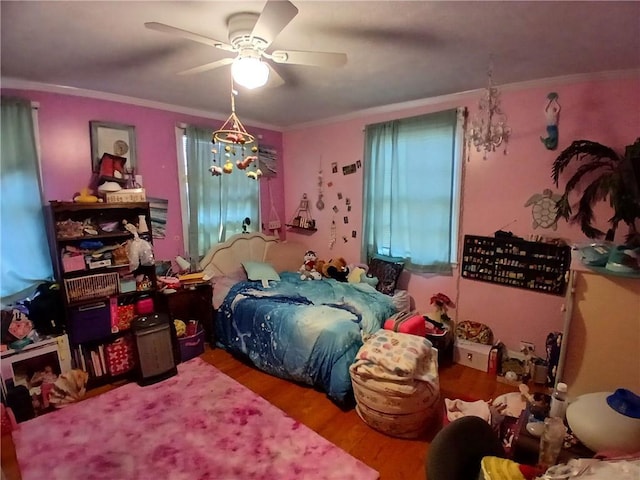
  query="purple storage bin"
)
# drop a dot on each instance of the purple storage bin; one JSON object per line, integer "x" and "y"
{"x": 90, "y": 322}
{"x": 191, "y": 346}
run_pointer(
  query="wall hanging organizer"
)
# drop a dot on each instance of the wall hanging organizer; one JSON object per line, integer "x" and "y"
{"x": 515, "y": 262}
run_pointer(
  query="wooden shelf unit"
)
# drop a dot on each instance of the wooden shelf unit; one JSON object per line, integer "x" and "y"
{"x": 89, "y": 312}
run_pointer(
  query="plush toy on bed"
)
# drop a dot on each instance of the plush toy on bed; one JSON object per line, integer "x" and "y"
{"x": 358, "y": 274}
{"x": 308, "y": 269}
{"x": 335, "y": 268}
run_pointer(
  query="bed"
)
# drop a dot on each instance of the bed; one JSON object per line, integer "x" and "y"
{"x": 307, "y": 331}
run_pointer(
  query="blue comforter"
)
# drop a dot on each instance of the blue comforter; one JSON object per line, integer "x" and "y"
{"x": 308, "y": 331}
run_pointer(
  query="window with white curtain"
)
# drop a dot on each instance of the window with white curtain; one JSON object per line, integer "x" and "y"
{"x": 412, "y": 176}
{"x": 26, "y": 261}
{"x": 214, "y": 207}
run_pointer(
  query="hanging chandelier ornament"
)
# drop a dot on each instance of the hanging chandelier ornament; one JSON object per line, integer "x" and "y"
{"x": 232, "y": 131}
{"x": 489, "y": 129}
{"x": 234, "y": 139}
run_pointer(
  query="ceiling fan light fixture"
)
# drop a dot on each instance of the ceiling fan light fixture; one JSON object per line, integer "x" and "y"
{"x": 250, "y": 72}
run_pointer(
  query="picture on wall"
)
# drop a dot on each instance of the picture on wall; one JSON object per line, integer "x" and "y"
{"x": 268, "y": 160}
{"x": 114, "y": 139}
{"x": 158, "y": 208}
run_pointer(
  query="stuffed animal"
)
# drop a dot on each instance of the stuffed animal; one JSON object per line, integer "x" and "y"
{"x": 335, "y": 268}
{"x": 308, "y": 269}
{"x": 69, "y": 388}
{"x": 243, "y": 164}
{"x": 358, "y": 274}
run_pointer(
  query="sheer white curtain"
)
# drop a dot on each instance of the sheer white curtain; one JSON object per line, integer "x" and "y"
{"x": 218, "y": 205}
{"x": 411, "y": 190}
{"x": 26, "y": 261}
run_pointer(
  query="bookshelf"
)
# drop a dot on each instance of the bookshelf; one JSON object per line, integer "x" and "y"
{"x": 102, "y": 289}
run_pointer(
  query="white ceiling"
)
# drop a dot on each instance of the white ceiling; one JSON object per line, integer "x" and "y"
{"x": 398, "y": 51}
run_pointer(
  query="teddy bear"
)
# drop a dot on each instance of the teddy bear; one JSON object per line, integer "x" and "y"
{"x": 335, "y": 268}
{"x": 308, "y": 269}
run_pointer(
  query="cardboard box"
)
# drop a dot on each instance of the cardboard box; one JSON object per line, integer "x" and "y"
{"x": 471, "y": 354}
{"x": 126, "y": 195}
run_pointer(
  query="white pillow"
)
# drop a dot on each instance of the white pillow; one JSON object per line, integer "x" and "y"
{"x": 260, "y": 271}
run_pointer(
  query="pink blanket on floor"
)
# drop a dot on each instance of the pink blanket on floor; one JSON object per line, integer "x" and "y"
{"x": 200, "y": 424}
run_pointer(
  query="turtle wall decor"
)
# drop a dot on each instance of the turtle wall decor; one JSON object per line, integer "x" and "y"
{"x": 544, "y": 209}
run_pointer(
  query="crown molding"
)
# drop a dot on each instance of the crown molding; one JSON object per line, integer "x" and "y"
{"x": 472, "y": 94}
{"x": 20, "y": 84}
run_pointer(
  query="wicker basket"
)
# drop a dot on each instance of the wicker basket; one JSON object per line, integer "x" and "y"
{"x": 92, "y": 286}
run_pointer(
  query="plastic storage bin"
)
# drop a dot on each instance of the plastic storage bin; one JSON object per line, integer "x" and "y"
{"x": 90, "y": 322}
{"x": 191, "y": 346}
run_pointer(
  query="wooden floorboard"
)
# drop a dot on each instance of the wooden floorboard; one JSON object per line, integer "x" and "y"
{"x": 393, "y": 458}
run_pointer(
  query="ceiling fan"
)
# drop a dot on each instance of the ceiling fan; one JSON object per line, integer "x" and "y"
{"x": 250, "y": 35}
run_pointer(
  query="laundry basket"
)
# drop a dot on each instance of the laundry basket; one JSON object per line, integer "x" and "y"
{"x": 395, "y": 383}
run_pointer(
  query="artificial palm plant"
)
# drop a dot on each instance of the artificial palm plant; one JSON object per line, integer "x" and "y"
{"x": 606, "y": 174}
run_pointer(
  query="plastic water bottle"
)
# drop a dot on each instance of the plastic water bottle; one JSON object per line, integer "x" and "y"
{"x": 551, "y": 442}
{"x": 559, "y": 401}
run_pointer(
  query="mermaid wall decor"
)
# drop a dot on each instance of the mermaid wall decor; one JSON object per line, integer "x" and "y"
{"x": 551, "y": 112}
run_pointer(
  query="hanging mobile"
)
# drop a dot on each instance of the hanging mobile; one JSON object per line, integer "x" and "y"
{"x": 215, "y": 170}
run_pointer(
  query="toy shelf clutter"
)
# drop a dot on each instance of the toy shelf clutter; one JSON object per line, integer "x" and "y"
{"x": 104, "y": 280}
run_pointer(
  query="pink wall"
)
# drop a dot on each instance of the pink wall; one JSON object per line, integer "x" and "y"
{"x": 66, "y": 152}
{"x": 495, "y": 191}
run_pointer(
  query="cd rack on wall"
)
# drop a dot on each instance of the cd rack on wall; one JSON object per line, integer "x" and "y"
{"x": 514, "y": 262}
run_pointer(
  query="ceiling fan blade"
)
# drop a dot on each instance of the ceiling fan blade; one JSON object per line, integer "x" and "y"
{"x": 207, "y": 66}
{"x": 274, "y": 17}
{"x": 161, "y": 27}
{"x": 275, "y": 80}
{"x": 319, "y": 59}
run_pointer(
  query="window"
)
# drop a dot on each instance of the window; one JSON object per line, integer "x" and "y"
{"x": 412, "y": 173}
{"x": 214, "y": 207}
{"x": 24, "y": 250}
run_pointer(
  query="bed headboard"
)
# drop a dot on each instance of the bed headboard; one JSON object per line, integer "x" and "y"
{"x": 226, "y": 258}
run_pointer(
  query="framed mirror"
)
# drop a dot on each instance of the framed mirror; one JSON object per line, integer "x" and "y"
{"x": 113, "y": 138}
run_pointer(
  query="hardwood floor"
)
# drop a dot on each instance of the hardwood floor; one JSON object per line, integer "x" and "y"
{"x": 395, "y": 459}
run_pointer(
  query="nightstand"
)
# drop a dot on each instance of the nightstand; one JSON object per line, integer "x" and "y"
{"x": 190, "y": 302}
{"x": 444, "y": 344}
